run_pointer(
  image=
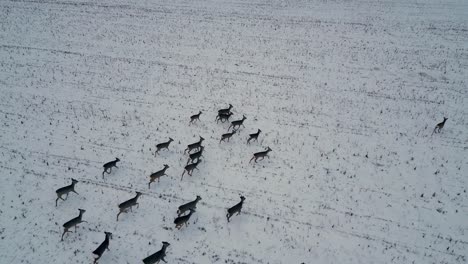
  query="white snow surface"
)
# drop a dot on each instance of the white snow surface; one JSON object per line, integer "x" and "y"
{"x": 346, "y": 92}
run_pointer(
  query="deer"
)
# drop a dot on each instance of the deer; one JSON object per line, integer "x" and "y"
{"x": 181, "y": 220}
{"x": 189, "y": 168}
{"x": 108, "y": 166}
{"x": 261, "y": 154}
{"x": 157, "y": 175}
{"x": 196, "y": 117}
{"x": 128, "y": 204}
{"x": 439, "y": 126}
{"x": 73, "y": 222}
{"x": 225, "y": 110}
{"x": 196, "y": 155}
{"x": 237, "y": 123}
{"x": 65, "y": 190}
{"x": 158, "y": 256}
{"x": 227, "y": 136}
{"x": 195, "y": 145}
{"x": 104, "y": 245}
{"x": 253, "y": 136}
{"x": 223, "y": 117}
{"x": 188, "y": 206}
{"x": 235, "y": 209}
{"x": 164, "y": 145}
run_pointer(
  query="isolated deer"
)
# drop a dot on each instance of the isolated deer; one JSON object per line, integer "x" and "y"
{"x": 73, "y": 223}
{"x": 164, "y": 145}
{"x": 158, "y": 175}
{"x": 196, "y": 155}
{"x": 181, "y": 220}
{"x": 65, "y": 190}
{"x": 108, "y": 166}
{"x": 189, "y": 168}
{"x": 261, "y": 154}
{"x": 123, "y": 207}
{"x": 223, "y": 117}
{"x": 227, "y": 136}
{"x": 225, "y": 110}
{"x": 104, "y": 245}
{"x": 237, "y": 123}
{"x": 158, "y": 256}
{"x": 195, "y": 117}
{"x": 188, "y": 206}
{"x": 195, "y": 145}
{"x": 439, "y": 126}
{"x": 235, "y": 209}
{"x": 253, "y": 136}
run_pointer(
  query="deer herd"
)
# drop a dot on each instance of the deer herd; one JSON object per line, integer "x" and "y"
{"x": 195, "y": 152}
{"x": 185, "y": 211}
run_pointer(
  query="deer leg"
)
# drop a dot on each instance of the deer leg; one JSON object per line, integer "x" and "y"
{"x": 228, "y": 216}
{"x": 149, "y": 185}
{"x": 118, "y": 215}
{"x": 66, "y": 197}
{"x": 56, "y": 201}
{"x": 138, "y": 205}
{"x": 64, "y": 231}
{"x": 163, "y": 259}
{"x": 252, "y": 159}
{"x": 75, "y": 192}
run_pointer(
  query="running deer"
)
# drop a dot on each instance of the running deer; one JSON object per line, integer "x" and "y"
{"x": 188, "y": 206}
{"x": 223, "y": 117}
{"x": 157, "y": 175}
{"x": 158, "y": 256}
{"x": 195, "y": 117}
{"x": 235, "y": 209}
{"x": 195, "y": 145}
{"x": 225, "y": 110}
{"x": 227, "y": 136}
{"x": 261, "y": 154}
{"x": 164, "y": 145}
{"x": 253, "y": 136}
{"x": 65, "y": 190}
{"x": 196, "y": 155}
{"x": 237, "y": 123}
{"x": 108, "y": 166}
{"x": 189, "y": 168}
{"x": 104, "y": 245}
{"x": 439, "y": 126}
{"x": 181, "y": 220}
{"x": 73, "y": 223}
{"x": 128, "y": 204}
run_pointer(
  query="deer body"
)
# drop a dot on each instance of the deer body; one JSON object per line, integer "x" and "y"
{"x": 223, "y": 117}
{"x": 158, "y": 256}
{"x": 73, "y": 222}
{"x": 261, "y": 154}
{"x": 128, "y": 204}
{"x": 189, "y": 168}
{"x": 195, "y": 117}
{"x": 104, "y": 245}
{"x": 254, "y": 136}
{"x": 158, "y": 175}
{"x": 225, "y": 110}
{"x": 227, "y": 136}
{"x": 196, "y": 155}
{"x": 65, "y": 190}
{"x": 237, "y": 123}
{"x": 164, "y": 145}
{"x": 439, "y": 126}
{"x": 195, "y": 145}
{"x": 188, "y": 206}
{"x": 109, "y": 165}
{"x": 181, "y": 220}
{"x": 235, "y": 209}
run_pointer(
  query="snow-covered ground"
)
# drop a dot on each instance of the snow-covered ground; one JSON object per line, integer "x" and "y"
{"x": 346, "y": 92}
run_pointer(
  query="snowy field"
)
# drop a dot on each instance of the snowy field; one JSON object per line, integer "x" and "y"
{"x": 346, "y": 93}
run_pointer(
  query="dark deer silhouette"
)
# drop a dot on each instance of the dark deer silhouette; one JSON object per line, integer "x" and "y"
{"x": 253, "y": 136}
{"x": 237, "y": 123}
{"x": 108, "y": 166}
{"x": 195, "y": 145}
{"x": 123, "y": 207}
{"x": 158, "y": 256}
{"x": 158, "y": 175}
{"x": 235, "y": 209}
{"x": 439, "y": 126}
{"x": 181, "y": 220}
{"x": 189, "y": 168}
{"x": 190, "y": 205}
{"x": 73, "y": 222}
{"x": 65, "y": 190}
{"x": 104, "y": 245}
{"x": 225, "y": 110}
{"x": 164, "y": 145}
{"x": 227, "y": 136}
{"x": 196, "y": 155}
{"x": 261, "y": 154}
{"x": 195, "y": 117}
{"x": 223, "y": 117}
